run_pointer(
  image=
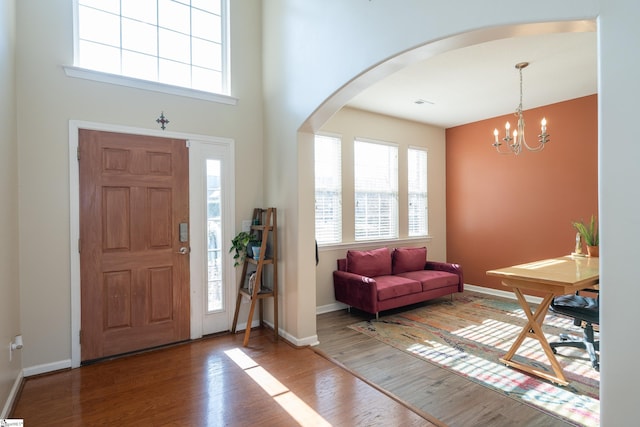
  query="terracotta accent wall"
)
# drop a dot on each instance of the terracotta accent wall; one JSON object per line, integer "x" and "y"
{"x": 504, "y": 209}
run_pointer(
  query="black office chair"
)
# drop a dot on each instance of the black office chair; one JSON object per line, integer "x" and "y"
{"x": 581, "y": 309}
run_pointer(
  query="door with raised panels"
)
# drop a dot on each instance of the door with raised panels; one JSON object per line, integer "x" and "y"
{"x": 134, "y": 242}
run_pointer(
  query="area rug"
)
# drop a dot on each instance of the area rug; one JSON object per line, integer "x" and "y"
{"x": 469, "y": 334}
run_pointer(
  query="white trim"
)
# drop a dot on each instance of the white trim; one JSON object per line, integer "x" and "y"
{"x": 199, "y": 152}
{"x": 298, "y": 342}
{"x": 74, "y": 214}
{"x": 375, "y": 141}
{"x": 47, "y": 367}
{"x": 498, "y": 293}
{"x": 366, "y": 244}
{"x": 328, "y": 308}
{"x": 13, "y": 394}
{"x": 116, "y": 79}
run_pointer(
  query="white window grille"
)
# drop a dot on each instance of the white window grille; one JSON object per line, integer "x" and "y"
{"x": 328, "y": 189}
{"x": 376, "y": 190}
{"x": 181, "y": 43}
{"x": 417, "y": 188}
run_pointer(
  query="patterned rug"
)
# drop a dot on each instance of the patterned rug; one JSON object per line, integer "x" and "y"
{"x": 470, "y": 338}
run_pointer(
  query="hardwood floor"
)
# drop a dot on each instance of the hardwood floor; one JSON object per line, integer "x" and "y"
{"x": 446, "y": 396}
{"x": 211, "y": 382}
{"x": 215, "y": 381}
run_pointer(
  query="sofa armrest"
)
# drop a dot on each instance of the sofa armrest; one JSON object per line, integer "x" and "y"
{"x": 356, "y": 291}
{"x": 449, "y": 268}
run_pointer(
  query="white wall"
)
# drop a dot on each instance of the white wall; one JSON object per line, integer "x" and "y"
{"x": 48, "y": 99}
{"x": 349, "y": 124}
{"x": 313, "y": 50}
{"x": 619, "y": 90}
{"x": 9, "y": 284}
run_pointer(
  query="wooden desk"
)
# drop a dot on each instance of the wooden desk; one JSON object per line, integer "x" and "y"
{"x": 556, "y": 276}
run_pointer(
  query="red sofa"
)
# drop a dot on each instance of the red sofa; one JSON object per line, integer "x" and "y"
{"x": 381, "y": 279}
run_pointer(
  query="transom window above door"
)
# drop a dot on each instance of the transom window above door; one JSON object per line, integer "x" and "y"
{"x": 178, "y": 43}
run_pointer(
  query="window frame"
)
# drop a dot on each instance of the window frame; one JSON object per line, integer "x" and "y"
{"x": 394, "y": 227}
{"x": 339, "y": 226}
{"x": 118, "y": 79}
{"x": 410, "y": 192}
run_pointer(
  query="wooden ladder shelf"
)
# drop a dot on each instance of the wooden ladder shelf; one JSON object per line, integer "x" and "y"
{"x": 265, "y": 228}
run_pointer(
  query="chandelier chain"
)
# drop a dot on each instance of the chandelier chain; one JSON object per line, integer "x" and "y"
{"x": 515, "y": 143}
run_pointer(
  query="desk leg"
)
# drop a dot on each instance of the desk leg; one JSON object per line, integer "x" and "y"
{"x": 533, "y": 329}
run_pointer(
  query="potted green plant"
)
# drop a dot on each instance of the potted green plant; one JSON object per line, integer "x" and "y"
{"x": 239, "y": 245}
{"x": 589, "y": 234}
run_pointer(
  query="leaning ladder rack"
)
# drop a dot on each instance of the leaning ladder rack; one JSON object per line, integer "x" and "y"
{"x": 264, "y": 227}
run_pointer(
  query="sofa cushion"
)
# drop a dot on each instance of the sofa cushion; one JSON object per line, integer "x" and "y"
{"x": 376, "y": 262}
{"x": 395, "y": 286}
{"x": 409, "y": 259}
{"x": 432, "y": 279}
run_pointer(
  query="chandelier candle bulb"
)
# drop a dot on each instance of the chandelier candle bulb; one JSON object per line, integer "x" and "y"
{"x": 495, "y": 133}
{"x": 544, "y": 125}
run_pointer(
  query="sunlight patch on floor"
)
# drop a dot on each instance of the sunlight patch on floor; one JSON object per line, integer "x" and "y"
{"x": 296, "y": 407}
{"x": 550, "y": 397}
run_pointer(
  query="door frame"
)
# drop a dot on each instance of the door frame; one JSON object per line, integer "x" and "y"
{"x": 199, "y": 151}
{"x": 196, "y": 294}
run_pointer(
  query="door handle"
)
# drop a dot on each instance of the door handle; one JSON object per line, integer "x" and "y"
{"x": 183, "y": 250}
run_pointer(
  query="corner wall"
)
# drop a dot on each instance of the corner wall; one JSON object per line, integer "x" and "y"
{"x": 503, "y": 209}
{"x": 9, "y": 282}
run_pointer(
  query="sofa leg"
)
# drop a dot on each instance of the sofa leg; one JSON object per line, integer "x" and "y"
{"x": 349, "y": 309}
{"x": 377, "y": 316}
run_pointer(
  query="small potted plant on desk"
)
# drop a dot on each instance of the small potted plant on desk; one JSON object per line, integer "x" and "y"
{"x": 589, "y": 234}
{"x": 239, "y": 244}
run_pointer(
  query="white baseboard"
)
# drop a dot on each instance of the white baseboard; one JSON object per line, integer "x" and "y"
{"x": 13, "y": 394}
{"x": 330, "y": 307}
{"x": 299, "y": 342}
{"x": 47, "y": 367}
{"x": 499, "y": 293}
{"x": 243, "y": 326}
{"x": 480, "y": 289}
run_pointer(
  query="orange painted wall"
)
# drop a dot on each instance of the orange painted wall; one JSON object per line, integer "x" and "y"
{"x": 503, "y": 209}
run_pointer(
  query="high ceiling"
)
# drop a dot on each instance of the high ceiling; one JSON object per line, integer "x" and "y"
{"x": 479, "y": 82}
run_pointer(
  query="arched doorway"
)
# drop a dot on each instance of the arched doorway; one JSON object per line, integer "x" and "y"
{"x": 382, "y": 70}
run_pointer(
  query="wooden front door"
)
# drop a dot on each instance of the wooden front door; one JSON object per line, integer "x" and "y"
{"x": 134, "y": 263}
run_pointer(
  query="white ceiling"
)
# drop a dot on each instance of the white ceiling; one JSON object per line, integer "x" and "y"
{"x": 479, "y": 82}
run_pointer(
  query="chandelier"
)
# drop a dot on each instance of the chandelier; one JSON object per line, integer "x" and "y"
{"x": 515, "y": 143}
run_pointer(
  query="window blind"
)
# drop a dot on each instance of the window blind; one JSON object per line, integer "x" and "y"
{"x": 376, "y": 190}
{"x": 328, "y": 189}
{"x": 417, "y": 188}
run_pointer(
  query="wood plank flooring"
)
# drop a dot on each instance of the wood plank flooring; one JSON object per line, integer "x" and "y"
{"x": 446, "y": 396}
{"x": 200, "y": 384}
{"x": 211, "y": 382}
